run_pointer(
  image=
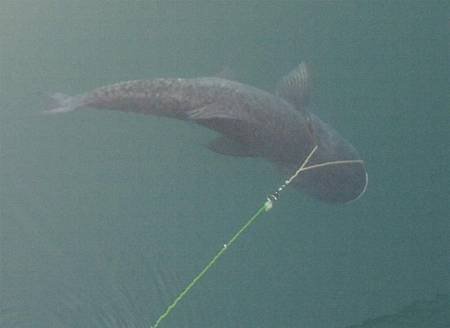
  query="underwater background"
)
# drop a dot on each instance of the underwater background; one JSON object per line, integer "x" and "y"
{"x": 106, "y": 216}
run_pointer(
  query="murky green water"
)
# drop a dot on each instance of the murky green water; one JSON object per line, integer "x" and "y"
{"x": 106, "y": 216}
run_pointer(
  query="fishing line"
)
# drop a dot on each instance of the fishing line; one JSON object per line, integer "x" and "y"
{"x": 267, "y": 206}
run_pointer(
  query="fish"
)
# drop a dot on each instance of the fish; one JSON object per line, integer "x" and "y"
{"x": 279, "y": 127}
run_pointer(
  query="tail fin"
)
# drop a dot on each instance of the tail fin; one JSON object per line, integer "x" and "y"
{"x": 61, "y": 103}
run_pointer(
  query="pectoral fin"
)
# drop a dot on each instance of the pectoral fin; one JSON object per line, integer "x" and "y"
{"x": 236, "y": 131}
{"x": 226, "y": 146}
{"x": 210, "y": 111}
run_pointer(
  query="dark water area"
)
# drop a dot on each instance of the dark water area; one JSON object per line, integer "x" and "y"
{"x": 106, "y": 216}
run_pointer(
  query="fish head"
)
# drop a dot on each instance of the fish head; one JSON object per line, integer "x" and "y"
{"x": 335, "y": 173}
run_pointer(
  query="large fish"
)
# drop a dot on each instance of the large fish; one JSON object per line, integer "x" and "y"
{"x": 251, "y": 122}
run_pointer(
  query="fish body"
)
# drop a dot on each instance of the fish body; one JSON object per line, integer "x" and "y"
{"x": 251, "y": 122}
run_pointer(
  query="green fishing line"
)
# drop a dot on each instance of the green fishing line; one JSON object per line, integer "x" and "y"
{"x": 267, "y": 206}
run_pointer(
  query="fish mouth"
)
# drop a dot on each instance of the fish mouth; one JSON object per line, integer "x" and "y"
{"x": 341, "y": 183}
{"x": 362, "y": 192}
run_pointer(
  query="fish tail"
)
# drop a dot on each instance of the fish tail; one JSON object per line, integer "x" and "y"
{"x": 61, "y": 103}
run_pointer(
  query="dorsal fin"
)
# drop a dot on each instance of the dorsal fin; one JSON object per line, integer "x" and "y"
{"x": 295, "y": 86}
{"x": 226, "y": 73}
